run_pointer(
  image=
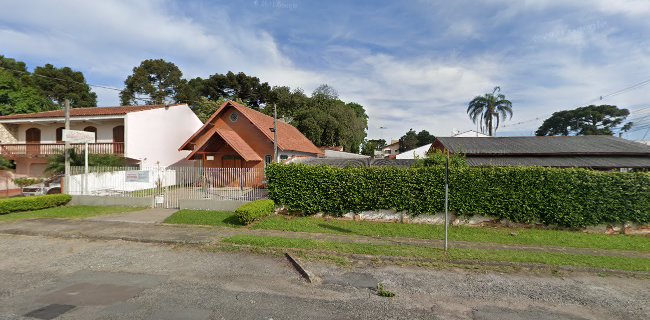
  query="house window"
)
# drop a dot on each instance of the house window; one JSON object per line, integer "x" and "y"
{"x": 268, "y": 159}
{"x": 233, "y": 117}
{"x": 284, "y": 157}
{"x": 59, "y": 134}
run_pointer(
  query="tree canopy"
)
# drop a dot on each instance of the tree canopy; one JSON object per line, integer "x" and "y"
{"x": 489, "y": 110}
{"x": 42, "y": 90}
{"x": 57, "y": 84}
{"x": 589, "y": 120}
{"x": 412, "y": 140}
{"x": 369, "y": 146}
{"x": 160, "y": 81}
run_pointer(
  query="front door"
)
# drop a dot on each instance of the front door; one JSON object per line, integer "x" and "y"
{"x": 118, "y": 140}
{"x": 33, "y": 140}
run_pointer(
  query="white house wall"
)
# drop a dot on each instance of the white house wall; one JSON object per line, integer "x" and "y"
{"x": 154, "y": 136}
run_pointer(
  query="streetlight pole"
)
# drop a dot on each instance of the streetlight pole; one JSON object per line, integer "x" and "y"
{"x": 66, "y": 148}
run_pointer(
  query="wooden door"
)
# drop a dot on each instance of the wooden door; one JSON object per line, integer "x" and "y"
{"x": 33, "y": 140}
{"x": 118, "y": 140}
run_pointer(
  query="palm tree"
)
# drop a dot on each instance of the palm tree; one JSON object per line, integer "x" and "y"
{"x": 488, "y": 107}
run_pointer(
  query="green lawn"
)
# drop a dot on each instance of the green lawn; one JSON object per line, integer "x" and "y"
{"x": 552, "y": 259}
{"x": 498, "y": 235}
{"x": 69, "y": 212}
{"x": 207, "y": 218}
{"x": 501, "y": 235}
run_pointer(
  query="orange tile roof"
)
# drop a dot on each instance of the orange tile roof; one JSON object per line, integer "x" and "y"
{"x": 237, "y": 143}
{"x": 289, "y": 138}
{"x": 83, "y": 112}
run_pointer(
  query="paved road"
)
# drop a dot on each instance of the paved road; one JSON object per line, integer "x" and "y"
{"x": 101, "y": 279}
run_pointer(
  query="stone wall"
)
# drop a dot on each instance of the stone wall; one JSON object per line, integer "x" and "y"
{"x": 8, "y": 133}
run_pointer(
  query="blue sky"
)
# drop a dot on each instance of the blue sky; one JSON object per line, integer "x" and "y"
{"x": 412, "y": 64}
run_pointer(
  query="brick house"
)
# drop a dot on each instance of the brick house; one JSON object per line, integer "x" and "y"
{"x": 145, "y": 135}
{"x": 236, "y": 136}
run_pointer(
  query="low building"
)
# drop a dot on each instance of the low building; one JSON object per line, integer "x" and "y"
{"x": 236, "y": 136}
{"x": 421, "y": 152}
{"x": 595, "y": 152}
{"x": 145, "y": 135}
{"x": 392, "y": 150}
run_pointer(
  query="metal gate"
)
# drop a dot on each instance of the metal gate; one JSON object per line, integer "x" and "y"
{"x": 168, "y": 186}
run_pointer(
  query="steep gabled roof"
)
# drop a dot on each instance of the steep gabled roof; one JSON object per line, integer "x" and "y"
{"x": 289, "y": 138}
{"x": 84, "y": 112}
{"x": 234, "y": 141}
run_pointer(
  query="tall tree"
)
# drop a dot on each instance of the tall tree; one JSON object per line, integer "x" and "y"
{"x": 424, "y": 138}
{"x": 231, "y": 86}
{"x": 408, "y": 141}
{"x": 17, "y": 96}
{"x": 204, "y": 108}
{"x": 370, "y": 146}
{"x": 58, "y": 84}
{"x": 489, "y": 110}
{"x": 159, "y": 80}
{"x": 589, "y": 120}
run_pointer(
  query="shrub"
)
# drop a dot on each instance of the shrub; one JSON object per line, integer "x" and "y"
{"x": 564, "y": 197}
{"x": 23, "y": 182}
{"x": 33, "y": 203}
{"x": 255, "y": 210}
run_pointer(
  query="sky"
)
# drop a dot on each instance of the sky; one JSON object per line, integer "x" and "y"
{"x": 411, "y": 64}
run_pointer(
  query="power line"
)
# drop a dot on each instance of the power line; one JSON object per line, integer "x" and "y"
{"x": 634, "y": 86}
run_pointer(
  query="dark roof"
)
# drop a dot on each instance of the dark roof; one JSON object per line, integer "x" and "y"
{"x": 575, "y": 145}
{"x": 595, "y": 162}
{"x": 83, "y": 112}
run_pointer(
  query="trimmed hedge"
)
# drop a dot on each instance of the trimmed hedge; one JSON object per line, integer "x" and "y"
{"x": 33, "y": 203}
{"x": 255, "y": 210}
{"x": 563, "y": 197}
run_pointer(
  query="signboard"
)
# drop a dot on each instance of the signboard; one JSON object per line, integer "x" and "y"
{"x": 76, "y": 136}
{"x": 137, "y": 176}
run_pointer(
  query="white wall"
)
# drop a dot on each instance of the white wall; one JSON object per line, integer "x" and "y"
{"x": 419, "y": 152}
{"x": 108, "y": 183}
{"x": 48, "y": 131}
{"x": 154, "y": 136}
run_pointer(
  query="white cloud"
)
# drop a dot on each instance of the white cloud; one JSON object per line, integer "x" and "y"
{"x": 564, "y": 64}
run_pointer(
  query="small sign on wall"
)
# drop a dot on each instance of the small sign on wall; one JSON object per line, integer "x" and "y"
{"x": 209, "y": 158}
{"x": 77, "y": 136}
{"x": 137, "y": 176}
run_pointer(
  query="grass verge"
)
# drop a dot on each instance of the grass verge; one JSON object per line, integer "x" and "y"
{"x": 409, "y": 251}
{"x": 501, "y": 235}
{"x": 207, "y": 218}
{"x": 69, "y": 212}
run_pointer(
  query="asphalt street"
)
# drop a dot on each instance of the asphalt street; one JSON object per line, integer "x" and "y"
{"x": 52, "y": 278}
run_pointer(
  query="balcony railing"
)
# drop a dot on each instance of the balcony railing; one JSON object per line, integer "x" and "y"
{"x": 47, "y": 149}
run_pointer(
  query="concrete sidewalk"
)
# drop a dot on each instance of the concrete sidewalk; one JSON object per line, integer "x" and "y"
{"x": 151, "y": 215}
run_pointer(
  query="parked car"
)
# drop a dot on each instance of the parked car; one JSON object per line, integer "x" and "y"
{"x": 49, "y": 186}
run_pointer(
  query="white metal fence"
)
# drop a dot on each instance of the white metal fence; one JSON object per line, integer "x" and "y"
{"x": 169, "y": 185}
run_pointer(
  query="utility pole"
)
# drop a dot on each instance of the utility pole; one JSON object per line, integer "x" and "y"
{"x": 275, "y": 134}
{"x": 66, "y": 148}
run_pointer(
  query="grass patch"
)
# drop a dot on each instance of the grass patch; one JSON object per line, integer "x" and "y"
{"x": 551, "y": 259}
{"x": 69, "y": 212}
{"x": 501, "y": 235}
{"x": 206, "y": 218}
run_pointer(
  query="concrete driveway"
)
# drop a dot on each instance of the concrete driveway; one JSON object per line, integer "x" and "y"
{"x": 47, "y": 278}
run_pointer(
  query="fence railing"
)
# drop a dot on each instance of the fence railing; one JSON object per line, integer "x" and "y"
{"x": 169, "y": 185}
{"x": 48, "y": 149}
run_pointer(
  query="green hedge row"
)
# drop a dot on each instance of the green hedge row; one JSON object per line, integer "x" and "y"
{"x": 33, "y": 203}
{"x": 255, "y": 210}
{"x": 563, "y": 197}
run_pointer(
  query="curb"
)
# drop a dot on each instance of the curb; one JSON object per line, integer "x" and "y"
{"x": 303, "y": 272}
